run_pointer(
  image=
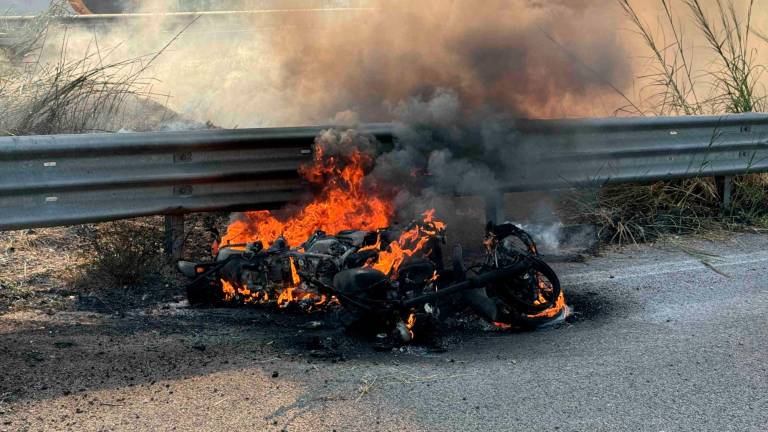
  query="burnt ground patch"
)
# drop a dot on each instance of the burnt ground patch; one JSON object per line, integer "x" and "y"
{"x": 75, "y": 353}
{"x": 589, "y": 306}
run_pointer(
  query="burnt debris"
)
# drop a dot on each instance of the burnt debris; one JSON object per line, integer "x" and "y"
{"x": 392, "y": 285}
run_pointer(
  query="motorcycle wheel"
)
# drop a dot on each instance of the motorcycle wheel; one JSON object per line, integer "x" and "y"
{"x": 532, "y": 297}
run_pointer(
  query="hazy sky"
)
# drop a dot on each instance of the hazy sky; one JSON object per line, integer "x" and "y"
{"x": 23, "y": 6}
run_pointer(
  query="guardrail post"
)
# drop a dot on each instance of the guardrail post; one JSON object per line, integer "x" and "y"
{"x": 724, "y": 189}
{"x": 174, "y": 236}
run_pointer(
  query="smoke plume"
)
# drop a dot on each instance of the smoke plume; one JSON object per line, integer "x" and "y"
{"x": 512, "y": 56}
{"x": 450, "y": 73}
{"x": 453, "y": 74}
{"x": 522, "y": 57}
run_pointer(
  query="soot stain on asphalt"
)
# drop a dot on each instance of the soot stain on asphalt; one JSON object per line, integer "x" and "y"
{"x": 589, "y": 306}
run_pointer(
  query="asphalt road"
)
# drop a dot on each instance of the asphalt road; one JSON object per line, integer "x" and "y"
{"x": 660, "y": 342}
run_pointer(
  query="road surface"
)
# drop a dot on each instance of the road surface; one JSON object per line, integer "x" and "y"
{"x": 661, "y": 341}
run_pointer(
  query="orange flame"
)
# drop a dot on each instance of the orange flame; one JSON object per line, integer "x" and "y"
{"x": 410, "y": 324}
{"x": 555, "y": 310}
{"x": 410, "y": 242}
{"x": 343, "y": 203}
{"x": 294, "y": 274}
{"x": 228, "y": 289}
{"x": 435, "y": 277}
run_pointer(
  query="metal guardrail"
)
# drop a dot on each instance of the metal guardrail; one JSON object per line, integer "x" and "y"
{"x": 70, "y": 179}
{"x": 592, "y": 152}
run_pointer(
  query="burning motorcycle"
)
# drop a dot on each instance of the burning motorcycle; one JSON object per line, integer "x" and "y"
{"x": 392, "y": 281}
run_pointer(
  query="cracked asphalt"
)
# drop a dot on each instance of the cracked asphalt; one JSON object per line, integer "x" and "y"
{"x": 668, "y": 337}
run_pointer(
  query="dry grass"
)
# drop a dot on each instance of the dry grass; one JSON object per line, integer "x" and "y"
{"x": 38, "y": 97}
{"x": 110, "y": 267}
{"x": 730, "y": 80}
{"x": 643, "y": 212}
{"x": 123, "y": 266}
{"x": 84, "y": 267}
{"x": 729, "y": 83}
{"x": 91, "y": 93}
{"x": 124, "y": 253}
{"x": 636, "y": 213}
{"x": 77, "y": 96}
{"x": 24, "y": 41}
{"x": 34, "y": 265}
{"x": 750, "y": 201}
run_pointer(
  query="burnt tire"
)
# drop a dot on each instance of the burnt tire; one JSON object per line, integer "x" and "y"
{"x": 519, "y": 299}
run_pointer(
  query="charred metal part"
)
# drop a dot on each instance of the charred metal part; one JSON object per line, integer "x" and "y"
{"x": 511, "y": 287}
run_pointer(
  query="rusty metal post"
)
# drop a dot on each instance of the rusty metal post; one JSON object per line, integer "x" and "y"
{"x": 174, "y": 236}
{"x": 725, "y": 190}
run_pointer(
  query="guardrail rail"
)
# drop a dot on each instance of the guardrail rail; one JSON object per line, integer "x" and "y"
{"x": 72, "y": 179}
